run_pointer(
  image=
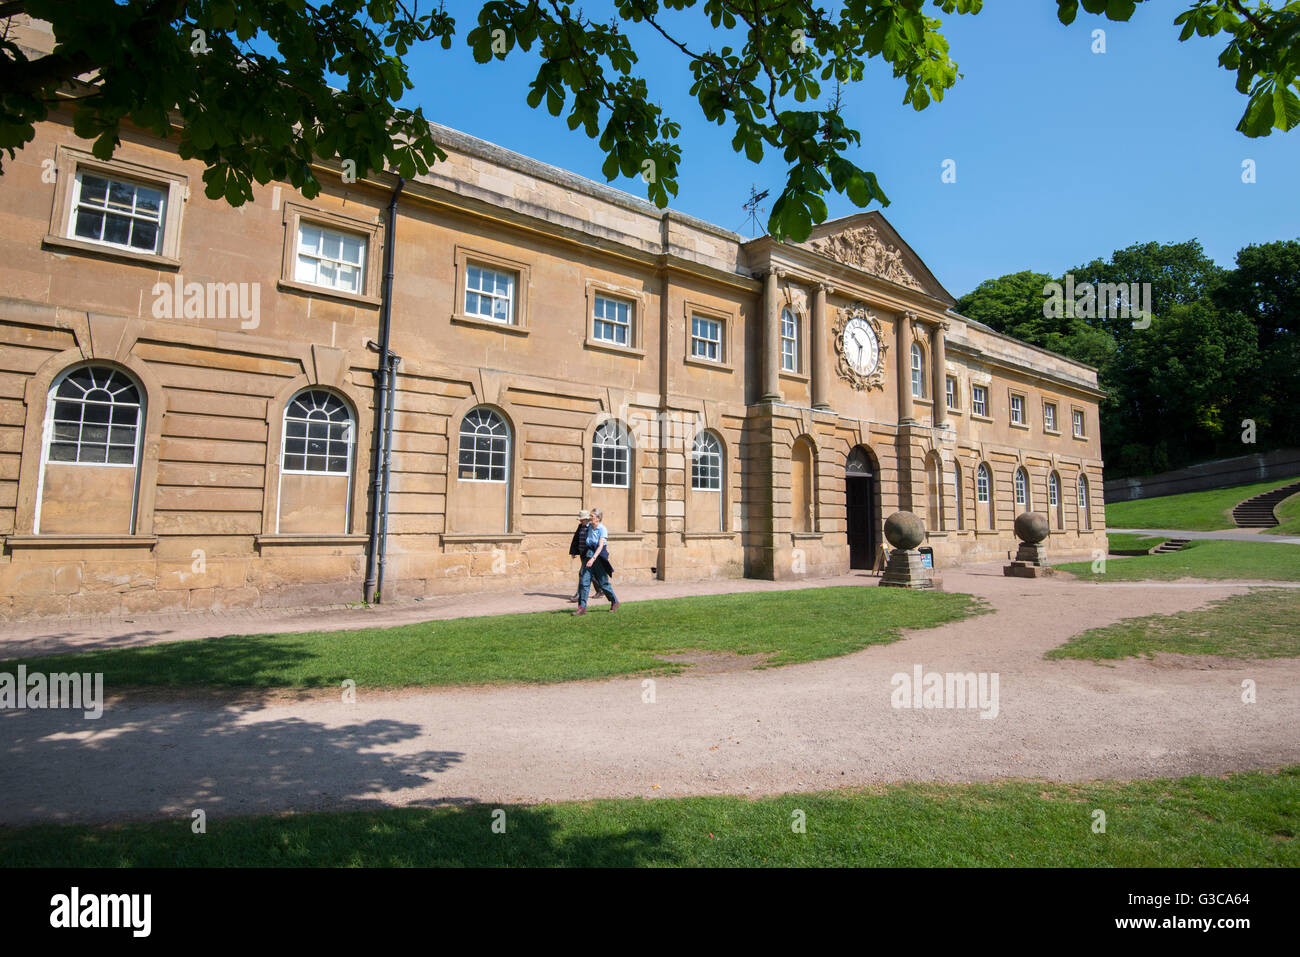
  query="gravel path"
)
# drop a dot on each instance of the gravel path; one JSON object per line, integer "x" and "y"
{"x": 817, "y": 725}
{"x": 1225, "y": 535}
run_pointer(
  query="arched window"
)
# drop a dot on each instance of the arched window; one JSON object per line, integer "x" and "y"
{"x": 705, "y": 504}
{"x": 318, "y": 434}
{"x": 1085, "y": 509}
{"x": 934, "y": 491}
{"x": 93, "y": 427}
{"x": 481, "y": 498}
{"x": 706, "y": 463}
{"x": 484, "y": 447}
{"x": 611, "y": 455}
{"x": 789, "y": 341}
{"x": 984, "y": 494}
{"x": 316, "y": 458}
{"x": 1054, "y": 500}
{"x": 1022, "y": 490}
{"x": 956, "y": 494}
{"x": 918, "y": 374}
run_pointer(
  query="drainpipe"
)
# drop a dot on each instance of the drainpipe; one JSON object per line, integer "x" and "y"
{"x": 384, "y": 374}
{"x": 393, "y": 362}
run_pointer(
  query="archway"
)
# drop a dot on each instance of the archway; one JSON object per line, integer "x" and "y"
{"x": 862, "y": 507}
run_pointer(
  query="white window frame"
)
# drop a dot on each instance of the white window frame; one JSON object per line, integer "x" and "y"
{"x": 359, "y": 268}
{"x": 918, "y": 371}
{"x": 599, "y": 320}
{"x": 706, "y": 463}
{"x": 621, "y": 447}
{"x": 1078, "y": 423}
{"x": 1022, "y": 488}
{"x": 1049, "y": 417}
{"x": 106, "y": 211}
{"x": 979, "y": 400}
{"x": 493, "y": 296}
{"x": 697, "y": 339}
{"x": 792, "y": 353}
{"x": 349, "y": 431}
{"x": 491, "y": 464}
{"x": 950, "y": 392}
{"x": 1017, "y": 408}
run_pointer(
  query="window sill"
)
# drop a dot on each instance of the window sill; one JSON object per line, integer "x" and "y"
{"x": 625, "y": 536}
{"x": 796, "y": 376}
{"x": 987, "y": 532}
{"x": 484, "y": 538}
{"x": 510, "y": 328}
{"x": 81, "y": 541}
{"x": 921, "y": 400}
{"x": 1055, "y": 432}
{"x": 980, "y": 418}
{"x": 952, "y": 411}
{"x": 110, "y": 252}
{"x": 1019, "y": 425}
{"x": 708, "y": 364}
{"x": 701, "y": 536}
{"x": 293, "y": 285}
{"x": 630, "y": 351}
{"x": 264, "y": 540}
{"x": 805, "y": 536}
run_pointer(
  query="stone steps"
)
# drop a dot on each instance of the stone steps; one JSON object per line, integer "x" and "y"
{"x": 1171, "y": 545}
{"x": 1257, "y": 512}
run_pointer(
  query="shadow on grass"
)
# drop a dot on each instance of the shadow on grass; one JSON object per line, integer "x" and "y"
{"x": 173, "y": 757}
{"x": 411, "y": 837}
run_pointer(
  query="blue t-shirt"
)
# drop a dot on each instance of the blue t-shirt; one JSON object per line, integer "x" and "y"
{"x": 596, "y": 536}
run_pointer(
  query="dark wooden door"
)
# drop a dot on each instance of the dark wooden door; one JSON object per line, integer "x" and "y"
{"x": 860, "y": 501}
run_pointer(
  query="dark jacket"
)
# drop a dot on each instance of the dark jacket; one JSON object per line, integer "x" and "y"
{"x": 575, "y": 546}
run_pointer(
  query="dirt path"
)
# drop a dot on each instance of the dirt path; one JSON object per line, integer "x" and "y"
{"x": 818, "y": 725}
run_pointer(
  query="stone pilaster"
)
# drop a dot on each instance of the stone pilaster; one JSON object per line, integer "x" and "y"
{"x": 903, "y": 358}
{"x": 771, "y": 338}
{"x": 939, "y": 362}
{"x": 818, "y": 348}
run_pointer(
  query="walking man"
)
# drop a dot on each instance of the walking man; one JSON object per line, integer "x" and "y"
{"x": 596, "y": 566}
{"x": 578, "y": 545}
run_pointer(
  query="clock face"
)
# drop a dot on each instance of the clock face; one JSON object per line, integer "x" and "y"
{"x": 860, "y": 346}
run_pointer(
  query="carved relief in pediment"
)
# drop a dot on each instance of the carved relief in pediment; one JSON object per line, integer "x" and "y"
{"x": 864, "y": 249}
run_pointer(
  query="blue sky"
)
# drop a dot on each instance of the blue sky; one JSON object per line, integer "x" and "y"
{"x": 1062, "y": 154}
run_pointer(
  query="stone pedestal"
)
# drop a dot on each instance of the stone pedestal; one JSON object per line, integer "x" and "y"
{"x": 1031, "y": 556}
{"x": 906, "y": 571}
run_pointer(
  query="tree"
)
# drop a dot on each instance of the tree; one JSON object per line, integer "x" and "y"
{"x": 1265, "y": 287}
{"x": 244, "y": 85}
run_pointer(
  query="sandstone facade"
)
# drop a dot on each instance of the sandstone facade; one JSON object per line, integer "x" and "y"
{"x": 812, "y": 457}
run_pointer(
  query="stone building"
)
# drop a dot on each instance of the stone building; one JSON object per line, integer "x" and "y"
{"x": 188, "y": 401}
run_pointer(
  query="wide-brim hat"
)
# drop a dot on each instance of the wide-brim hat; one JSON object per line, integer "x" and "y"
{"x": 583, "y": 514}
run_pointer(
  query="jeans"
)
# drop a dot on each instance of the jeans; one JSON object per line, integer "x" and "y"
{"x": 597, "y": 574}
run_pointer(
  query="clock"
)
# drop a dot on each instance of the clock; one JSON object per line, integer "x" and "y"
{"x": 861, "y": 347}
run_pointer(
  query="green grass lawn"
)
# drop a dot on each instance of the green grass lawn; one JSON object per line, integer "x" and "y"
{"x": 1248, "y": 561}
{"x": 1288, "y": 517}
{"x": 1194, "y": 511}
{"x": 1129, "y": 542}
{"x": 1241, "y": 820}
{"x": 1262, "y": 624}
{"x": 790, "y": 626}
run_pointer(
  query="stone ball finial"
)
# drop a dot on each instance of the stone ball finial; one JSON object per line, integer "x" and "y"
{"x": 1031, "y": 527}
{"x": 904, "y": 530}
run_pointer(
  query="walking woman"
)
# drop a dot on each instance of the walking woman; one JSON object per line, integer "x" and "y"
{"x": 596, "y": 566}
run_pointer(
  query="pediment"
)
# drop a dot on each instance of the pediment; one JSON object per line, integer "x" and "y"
{"x": 866, "y": 241}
